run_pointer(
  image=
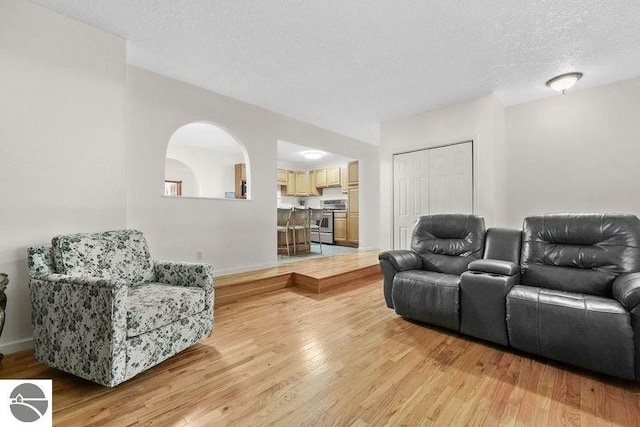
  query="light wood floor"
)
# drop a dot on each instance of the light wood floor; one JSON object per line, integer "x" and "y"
{"x": 293, "y": 358}
{"x": 316, "y": 275}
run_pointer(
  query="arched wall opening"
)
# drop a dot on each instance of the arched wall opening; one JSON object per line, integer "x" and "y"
{"x": 214, "y": 162}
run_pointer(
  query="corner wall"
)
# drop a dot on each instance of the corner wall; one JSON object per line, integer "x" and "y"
{"x": 234, "y": 235}
{"x": 578, "y": 152}
{"x": 62, "y": 141}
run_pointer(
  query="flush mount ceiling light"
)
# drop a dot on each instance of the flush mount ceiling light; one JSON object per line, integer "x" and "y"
{"x": 313, "y": 155}
{"x": 564, "y": 81}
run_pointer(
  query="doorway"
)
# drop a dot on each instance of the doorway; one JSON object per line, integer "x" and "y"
{"x": 430, "y": 181}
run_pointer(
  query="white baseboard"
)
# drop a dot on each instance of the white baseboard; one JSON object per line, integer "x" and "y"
{"x": 16, "y": 346}
{"x": 369, "y": 248}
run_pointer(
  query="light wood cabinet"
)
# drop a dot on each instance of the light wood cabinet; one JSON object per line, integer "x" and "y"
{"x": 353, "y": 173}
{"x": 313, "y": 184}
{"x": 344, "y": 180}
{"x": 291, "y": 183}
{"x": 321, "y": 178}
{"x": 353, "y": 199}
{"x": 333, "y": 177}
{"x": 353, "y": 229}
{"x": 240, "y": 180}
{"x": 340, "y": 227}
{"x": 302, "y": 183}
{"x": 282, "y": 177}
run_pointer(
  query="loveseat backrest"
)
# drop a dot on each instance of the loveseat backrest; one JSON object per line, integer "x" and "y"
{"x": 119, "y": 254}
{"x": 447, "y": 243}
{"x": 580, "y": 253}
{"x": 503, "y": 244}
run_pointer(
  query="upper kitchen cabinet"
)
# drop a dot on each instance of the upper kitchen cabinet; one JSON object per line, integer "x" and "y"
{"x": 321, "y": 178}
{"x": 344, "y": 180}
{"x": 241, "y": 181}
{"x": 353, "y": 173}
{"x": 313, "y": 184}
{"x": 282, "y": 177}
{"x": 302, "y": 183}
{"x": 291, "y": 184}
{"x": 329, "y": 177}
{"x": 333, "y": 177}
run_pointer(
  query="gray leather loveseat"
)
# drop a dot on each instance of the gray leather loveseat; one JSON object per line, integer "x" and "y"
{"x": 567, "y": 287}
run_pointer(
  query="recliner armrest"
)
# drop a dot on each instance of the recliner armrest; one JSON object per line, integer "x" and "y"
{"x": 626, "y": 289}
{"x": 402, "y": 260}
{"x": 494, "y": 266}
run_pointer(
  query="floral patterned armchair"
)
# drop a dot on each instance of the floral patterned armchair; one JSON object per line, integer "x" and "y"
{"x": 104, "y": 311}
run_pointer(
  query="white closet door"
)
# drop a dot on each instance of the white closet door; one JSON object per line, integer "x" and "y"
{"x": 451, "y": 179}
{"x": 411, "y": 194}
{"x": 431, "y": 181}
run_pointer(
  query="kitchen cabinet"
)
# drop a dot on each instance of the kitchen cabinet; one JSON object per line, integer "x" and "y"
{"x": 240, "y": 181}
{"x": 302, "y": 183}
{"x": 340, "y": 227}
{"x": 282, "y": 177}
{"x": 353, "y": 198}
{"x": 321, "y": 178}
{"x": 353, "y": 229}
{"x": 333, "y": 177}
{"x": 344, "y": 180}
{"x": 353, "y": 173}
{"x": 291, "y": 184}
{"x": 313, "y": 184}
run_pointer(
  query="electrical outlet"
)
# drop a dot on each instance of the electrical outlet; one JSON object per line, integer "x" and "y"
{"x": 199, "y": 256}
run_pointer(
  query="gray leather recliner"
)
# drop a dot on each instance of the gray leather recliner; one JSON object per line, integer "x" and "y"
{"x": 567, "y": 287}
{"x": 579, "y": 292}
{"x": 423, "y": 283}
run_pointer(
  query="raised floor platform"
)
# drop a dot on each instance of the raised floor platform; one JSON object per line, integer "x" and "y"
{"x": 315, "y": 275}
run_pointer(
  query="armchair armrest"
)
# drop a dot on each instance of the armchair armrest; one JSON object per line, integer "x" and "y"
{"x": 187, "y": 274}
{"x": 184, "y": 274}
{"x": 80, "y": 325}
{"x": 494, "y": 266}
{"x": 402, "y": 260}
{"x": 626, "y": 289}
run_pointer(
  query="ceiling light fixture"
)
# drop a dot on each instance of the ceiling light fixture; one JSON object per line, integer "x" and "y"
{"x": 313, "y": 155}
{"x": 564, "y": 81}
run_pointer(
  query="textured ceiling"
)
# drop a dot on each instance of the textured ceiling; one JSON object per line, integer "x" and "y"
{"x": 346, "y": 65}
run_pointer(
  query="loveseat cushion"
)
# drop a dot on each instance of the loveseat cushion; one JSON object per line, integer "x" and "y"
{"x": 152, "y": 305}
{"x": 583, "y": 330}
{"x": 581, "y": 253}
{"x": 120, "y": 254}
{"x": 428, "y": 297}
{"x": 447, "y": 243}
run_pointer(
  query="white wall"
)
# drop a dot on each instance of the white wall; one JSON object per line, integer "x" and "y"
{"x": 62, "y": 141}
{"x": 234, "y": 235}
{"x": 578, "y": 152}
{"x": 175, "y": 170}
{"x": 480, "y": 120}
{"x": 214, "y": 170}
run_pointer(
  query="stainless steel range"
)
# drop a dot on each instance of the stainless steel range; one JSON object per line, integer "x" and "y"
{"x": 326, "y": 225}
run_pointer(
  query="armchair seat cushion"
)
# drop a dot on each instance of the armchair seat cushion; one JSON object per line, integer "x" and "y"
{"x": 153, "y": 305}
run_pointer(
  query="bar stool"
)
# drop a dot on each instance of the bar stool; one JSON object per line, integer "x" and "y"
{"x": 284, "y": 220}
{"x": 299, "y": 221}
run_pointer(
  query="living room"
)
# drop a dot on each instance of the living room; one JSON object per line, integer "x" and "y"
{"x": 86, "y": 117}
